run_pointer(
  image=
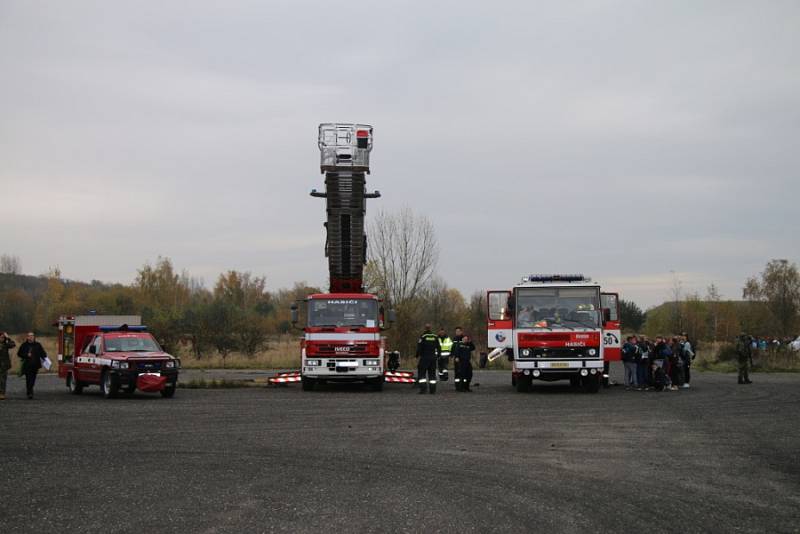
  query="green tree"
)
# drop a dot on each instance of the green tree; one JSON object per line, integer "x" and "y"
{"x": 778, "y": 286}
{"x": 631, "y": 316}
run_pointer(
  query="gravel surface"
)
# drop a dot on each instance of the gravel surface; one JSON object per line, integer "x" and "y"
{"x": 718, "y": 457}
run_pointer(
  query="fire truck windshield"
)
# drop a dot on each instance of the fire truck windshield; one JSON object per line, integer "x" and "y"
{"x": 343, "y": 312}
{"x": 558, "y": 307}
{"x": 130, "y": 343}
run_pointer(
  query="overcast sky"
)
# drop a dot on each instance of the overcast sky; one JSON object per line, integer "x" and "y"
{"x": 626, "y": 140}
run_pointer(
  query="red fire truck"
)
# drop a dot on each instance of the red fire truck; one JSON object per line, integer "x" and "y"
{"x": 115, "y": 352}
{"x": 342, "y": 334}
{"x": 555, "y": 327}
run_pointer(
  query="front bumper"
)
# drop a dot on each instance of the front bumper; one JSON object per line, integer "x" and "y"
{"x": 345, "y": 369}
{"x": 128, "y": 377}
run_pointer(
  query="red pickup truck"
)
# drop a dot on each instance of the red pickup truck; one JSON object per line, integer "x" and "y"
{"x": 115, "y": 357}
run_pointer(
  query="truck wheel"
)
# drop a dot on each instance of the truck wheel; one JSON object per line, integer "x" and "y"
{"x": 513, "y": 380}
{"x": 169, "y": 391}
{"x": 308, "y": 383}
{"x": 74, "y": 387}
{"x": 109, "y": 385}
{"x": 591, "y": 383}
{"x": 524, "y": 384}
{"x": 376, "y": 384}
{"x": 574, "y": 381}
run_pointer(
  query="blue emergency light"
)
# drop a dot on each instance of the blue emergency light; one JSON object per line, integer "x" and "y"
{"x": 123, "y": 328}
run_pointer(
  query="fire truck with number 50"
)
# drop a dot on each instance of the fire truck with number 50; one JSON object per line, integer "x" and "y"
{"x": 555, "y": 327}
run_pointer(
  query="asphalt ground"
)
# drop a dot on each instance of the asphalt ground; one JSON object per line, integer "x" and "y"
{"x": 718, "y": 457}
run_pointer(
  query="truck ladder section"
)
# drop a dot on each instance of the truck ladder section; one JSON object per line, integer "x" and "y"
{"x": 345, "y": 150}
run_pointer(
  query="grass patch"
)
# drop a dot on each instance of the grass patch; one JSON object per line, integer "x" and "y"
{"x": 722, "y": 358}
{"x": 280, "y": 353}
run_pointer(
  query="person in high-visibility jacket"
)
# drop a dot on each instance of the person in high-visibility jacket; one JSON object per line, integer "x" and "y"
{"x": 428, "y": 352}
{"x": 444, "y": 359}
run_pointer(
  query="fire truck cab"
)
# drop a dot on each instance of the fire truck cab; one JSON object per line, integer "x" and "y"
{"x": 552, "y": 327}
{"x": 342, "y": 339}
{"x": 116, "y": 353}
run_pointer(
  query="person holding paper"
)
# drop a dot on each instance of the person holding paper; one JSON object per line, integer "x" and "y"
{"x": 31, "y": 353}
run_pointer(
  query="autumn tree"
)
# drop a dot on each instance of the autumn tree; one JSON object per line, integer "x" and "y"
{"x": 10, "y": 264}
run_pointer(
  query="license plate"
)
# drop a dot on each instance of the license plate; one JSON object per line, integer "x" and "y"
{"x": 559, "y": 365}
{"x": 347, "y": 364}
{"x": 151, "y": 374}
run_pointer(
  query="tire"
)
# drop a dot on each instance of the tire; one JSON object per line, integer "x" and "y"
{"x": 591, "y": 383}
{"x": 376, "y": 384}
{"x": 109, "y": 385}
{"x": 308, "y": 383}
{"x": 513, "y": 381}
{"x": 575, "y": 381}
{"x": 169, "y": 391}
{"x": 73, "y": 385}
{"x": 524, "y": 384}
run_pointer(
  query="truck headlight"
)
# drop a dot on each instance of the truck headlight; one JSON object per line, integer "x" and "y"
{"x": 123, "y": 365}
{"x": 169, "y": 365}
{"x": 592, "y": 352}
{"x": 115, "y": 364}
{"x": 526, "y": 352}
{"x": 371, "y": 363}
{"x": 312, "y": 363}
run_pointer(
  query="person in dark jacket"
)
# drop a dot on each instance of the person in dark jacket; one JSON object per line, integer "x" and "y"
{"x": 744, "y": 355}
{"x": 630, "y": 359}
{"x": 462, "y": 360}
{"x": 6, "y": 344}
{"x": 643, "y": 367}
{"x": 428, "y": 353}
{"x": 31, "y": 353}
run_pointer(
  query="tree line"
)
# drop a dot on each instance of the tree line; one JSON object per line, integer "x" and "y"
{"x": 240, "y": 313}
{"x": 769, "y": 308}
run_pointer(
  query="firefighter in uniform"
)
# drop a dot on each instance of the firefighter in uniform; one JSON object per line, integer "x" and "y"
{"x": 744, "y": 354}
{"x": 428, "y": 352}
{"x": 444, "y": 359}
{"x": 457, "y": 337}
{"x": 462, "y": 362}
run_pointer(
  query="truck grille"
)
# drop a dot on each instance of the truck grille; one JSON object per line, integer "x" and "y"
{"x": 331, "y": 350}
{"x": 557, "y": 353}
{"x": 148, "y": 366}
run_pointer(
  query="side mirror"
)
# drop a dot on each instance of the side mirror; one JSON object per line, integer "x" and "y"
{"x": 93, "y": 349}
{"x": 293, "y": 314}
{"x": 606, "y": 315}
{"x": 391, "y": 316}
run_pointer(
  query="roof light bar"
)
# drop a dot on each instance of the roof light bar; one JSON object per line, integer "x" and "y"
{"x": 123, "y": 328}
{"x": 556, "y": 278}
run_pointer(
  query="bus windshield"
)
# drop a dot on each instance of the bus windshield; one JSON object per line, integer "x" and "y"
{"x": 343, "y": 312}
{"x": 558, "y": 307}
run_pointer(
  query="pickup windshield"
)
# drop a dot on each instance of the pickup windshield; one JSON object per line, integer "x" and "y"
{"x": 343, "y": 312}
{"x": 558, "y": 307}
{"x": 131, "y": 344}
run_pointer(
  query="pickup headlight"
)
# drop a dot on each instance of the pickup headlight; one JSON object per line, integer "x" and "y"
{"x": 312, "y": 363}
{"x": 371, "y": 363}
{"x": 169, "y": 365}
{"x": 116, "y": 364}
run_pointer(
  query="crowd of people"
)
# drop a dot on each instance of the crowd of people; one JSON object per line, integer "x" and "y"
{"x": 663, "y": 364}
{"x": 434, "y": 352}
